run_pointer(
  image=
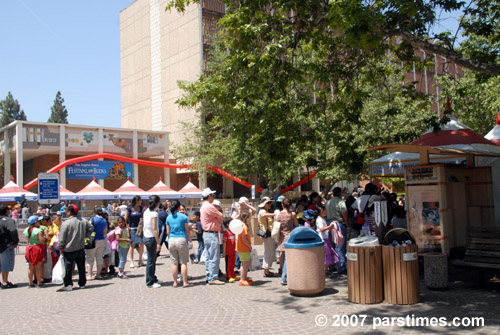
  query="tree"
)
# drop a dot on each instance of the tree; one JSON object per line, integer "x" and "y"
{"x": 59, "y": 113}
{"x": 11, "y": 110}
{"x": 314, "y": 83}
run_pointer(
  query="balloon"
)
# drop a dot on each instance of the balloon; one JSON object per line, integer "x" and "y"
{"x": 236, "y": 226}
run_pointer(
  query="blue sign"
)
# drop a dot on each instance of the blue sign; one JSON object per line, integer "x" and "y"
{"x": 100, "y": 170}
{"x": 48, "y": 188}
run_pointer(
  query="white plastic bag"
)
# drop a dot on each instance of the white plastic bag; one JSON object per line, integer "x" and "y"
{"x": 203, "y": 257}
{"x": 59, "y": 271}
{"x": 275, "y": 233}
{"x": 255, "y": 262}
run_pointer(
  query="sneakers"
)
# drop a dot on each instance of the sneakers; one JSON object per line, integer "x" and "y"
{"x": 245, "y": 283}
{"x": 82, "y": 287}
{"x": 160, "y": 282}
{"x": 216, "y": 282}
{"x": 67, "y": 288}
{"x": 122, "y": 275}
{"x": 155, "y": 285}
{"x": 8, "y": 285}
{"x": 284, "y": 283}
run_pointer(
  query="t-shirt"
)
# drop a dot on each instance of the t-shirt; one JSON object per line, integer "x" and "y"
{"x": 335, "y": 208}
{"x": 162, "y": 217}
{"x": 177, "y": 222}
{"x": 100, "y": 227}
{"x": 321, "y": 223}
{"x": 33, "y": 239}
{"x": 123, "y": 209}
{"x": 148, "y": 223}
{"x": 199, "y": 237}
{"x": 134, "y": 217}
{"x": 240, "y": 246}
{"x": 122, "y": 233}
{"x": 230, "y": 241}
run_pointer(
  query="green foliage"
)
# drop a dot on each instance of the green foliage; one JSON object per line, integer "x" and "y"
{"x": 474, "y": 100}
{"x": 307, "y": 83}
{"x": 11, "y": 110}
{"x": 59, "y": 113}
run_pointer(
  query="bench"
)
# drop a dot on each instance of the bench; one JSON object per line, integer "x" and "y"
{"x": 482, "y": 250}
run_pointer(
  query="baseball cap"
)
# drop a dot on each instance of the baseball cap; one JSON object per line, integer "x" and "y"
{"x": 206, "y": 192}
{"x": 243, "y": 200}
{"x": 216, "y": 203}
{"x": 280, "y": 198}
{"x": 34, "y": 219}
{"x": 75, "y": 208}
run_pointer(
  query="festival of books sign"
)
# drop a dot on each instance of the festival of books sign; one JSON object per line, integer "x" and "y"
{"x": 100, "y": 170}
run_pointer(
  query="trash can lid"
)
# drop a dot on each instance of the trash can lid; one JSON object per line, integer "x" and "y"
{"x": 303, "y": 237}
{"x": 364, "y": 241}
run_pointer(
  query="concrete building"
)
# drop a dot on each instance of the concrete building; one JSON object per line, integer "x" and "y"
{"x": 28, "y": 148}
{"x": 159, "y": 48}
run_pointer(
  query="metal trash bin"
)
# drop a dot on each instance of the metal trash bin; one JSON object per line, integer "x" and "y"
{"x": 400, "y": 258}
{"x": 364, "y": 270}
{"x": 305, "y": 257}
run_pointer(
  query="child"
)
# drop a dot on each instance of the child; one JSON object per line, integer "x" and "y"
{"x": 199, "y": 236}
{"x": 244, "y": 247}
{"x": 229, "y": 251}
{"x": 123, "y": 237}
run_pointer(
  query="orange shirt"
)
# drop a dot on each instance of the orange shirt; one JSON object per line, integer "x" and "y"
{"x": 240, "y": 246}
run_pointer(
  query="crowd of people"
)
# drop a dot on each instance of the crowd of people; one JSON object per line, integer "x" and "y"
{"x": 110, "y": 245}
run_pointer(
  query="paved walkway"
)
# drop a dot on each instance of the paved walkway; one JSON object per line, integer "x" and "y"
{"x": 115, "y": 306}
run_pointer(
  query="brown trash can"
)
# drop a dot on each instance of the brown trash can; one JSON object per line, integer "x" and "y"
{"x": 305, "y": 258}
{"x": 364, "y": 274}
{"x": 401, "y": 279}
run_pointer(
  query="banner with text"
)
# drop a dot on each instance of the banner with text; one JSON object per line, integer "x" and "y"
{"x": 100, "y": 170}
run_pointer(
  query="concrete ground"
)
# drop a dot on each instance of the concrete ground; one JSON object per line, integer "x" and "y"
{"x": 127, "y": 306}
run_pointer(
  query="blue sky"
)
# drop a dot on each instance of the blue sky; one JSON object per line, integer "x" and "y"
{"x": 69, "y": 46}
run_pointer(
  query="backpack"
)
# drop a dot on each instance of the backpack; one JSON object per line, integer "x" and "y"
{"x": 111, "y": 236}
{"x": 359, "y": 219}
{"x": 337, "y": 236}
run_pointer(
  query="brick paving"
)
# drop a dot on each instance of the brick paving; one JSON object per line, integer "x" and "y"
{"x": 117, "y": 306}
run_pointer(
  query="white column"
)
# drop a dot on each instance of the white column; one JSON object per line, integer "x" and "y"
{"x": 315, "y": 185}
{"x": 166, "y": 159}
{"x": 135, "y": 155}
{"x": 62, "y": 154}
{"x": 6, "y": 157}
{"x": 19, "y": 154}
{"x": 227, "y": 187}
{"x": 203, "y": 180}
{"x": 100, "y": 150}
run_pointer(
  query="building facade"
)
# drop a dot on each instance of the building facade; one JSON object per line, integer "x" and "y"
{"x": 28, "y": 148}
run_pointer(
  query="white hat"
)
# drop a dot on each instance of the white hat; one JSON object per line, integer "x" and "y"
{"x": 243, "y": 200}
{"x": 216, "y": 203}
{"x": 206, "y": 192}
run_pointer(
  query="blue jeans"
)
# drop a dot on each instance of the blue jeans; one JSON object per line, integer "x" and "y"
{"x": 283, "y": 270}
{"x": 341, "y": 250}
{"x": 150, "y": 244}
{"x": 237, "y": 264}
{"x": 122, "y": 254}
{"x": 201, "y": 247}
{"x": 211, "y": 241}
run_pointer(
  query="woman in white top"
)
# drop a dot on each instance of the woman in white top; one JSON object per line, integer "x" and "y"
{"x": 151, "y": 240}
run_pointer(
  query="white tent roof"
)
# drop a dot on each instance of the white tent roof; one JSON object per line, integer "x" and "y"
{"x": 11, "y": 191}
{"x": 93, "y": 191}
{"x": 165, "y": 192}
{"x": 129, "y": 190}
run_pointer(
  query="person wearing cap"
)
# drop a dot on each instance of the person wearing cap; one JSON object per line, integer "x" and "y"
{"x": 72, "y": 235}
{"x": 265, "y": 228}
{"x": 8, "y": 242}
{"x": 211, "y": 220}
{"x": 336, "y": 210}
{"x": 35, "y": 251}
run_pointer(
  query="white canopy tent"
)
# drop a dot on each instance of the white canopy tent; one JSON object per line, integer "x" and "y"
{"x": 93, "y": 191}
{"x": 12, "y": 192}
{"x": 165, "y": 192}
{"x": 129, "y": 190}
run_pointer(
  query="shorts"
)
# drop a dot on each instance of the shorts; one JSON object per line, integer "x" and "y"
{"x": 97, "y": 253}
{"x": 35, "y": 254}
{"x": 178, "y": 250}
{"x": 7, "y": 259}
{"x": 244, "y": 256}
{"x": 135, "y": 239}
